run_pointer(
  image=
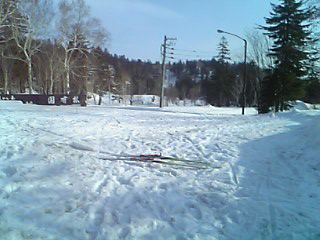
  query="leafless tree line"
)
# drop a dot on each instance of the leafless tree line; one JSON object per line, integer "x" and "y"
{"x": 55, "y": 45}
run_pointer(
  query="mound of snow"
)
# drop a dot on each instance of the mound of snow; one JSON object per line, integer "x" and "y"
{"x": 82, "y": 147}
{"x": 300, "y": 105}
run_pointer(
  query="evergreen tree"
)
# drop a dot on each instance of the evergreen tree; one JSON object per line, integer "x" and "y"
{"x": 221, "y": 83}
{"x": 288, "y": 29}
{"x": 312, "y": 91}
{"x": 223, "y": 51}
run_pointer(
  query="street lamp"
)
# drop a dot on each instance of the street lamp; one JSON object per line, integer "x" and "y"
{"x": 244, "y": 68}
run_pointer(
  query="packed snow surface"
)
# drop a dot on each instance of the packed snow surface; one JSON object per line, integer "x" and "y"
{"x": 66, "y": 173}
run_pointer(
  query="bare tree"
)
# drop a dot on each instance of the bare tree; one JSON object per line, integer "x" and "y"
{"x": 78, "y": 32}
{"x": 30, "y": 28}
{"x": 56, "y": 67}
{"x": 237, "y": 88}
{"x": 259, "y": 48}
{"x": 48, "y": 68}
{"x": 260, "y": 45}
{"x": 6, "y": 68}
{"x": 7, "y": 9}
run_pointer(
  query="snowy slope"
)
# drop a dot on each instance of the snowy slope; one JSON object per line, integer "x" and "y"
{"x": 263, "y": 179}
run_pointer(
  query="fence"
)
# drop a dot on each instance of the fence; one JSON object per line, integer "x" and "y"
{"x": 43, "y": 99}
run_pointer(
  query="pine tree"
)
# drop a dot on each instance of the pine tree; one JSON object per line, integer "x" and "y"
{"x": 223, "y": 51}
{"x": 220, "y": 85}
{"x": 288, "y": 29}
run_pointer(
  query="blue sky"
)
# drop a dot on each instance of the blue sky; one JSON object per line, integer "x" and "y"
{"x": 137, "y": 27}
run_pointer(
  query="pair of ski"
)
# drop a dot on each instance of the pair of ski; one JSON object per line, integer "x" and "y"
{"x": 158, "y": 158}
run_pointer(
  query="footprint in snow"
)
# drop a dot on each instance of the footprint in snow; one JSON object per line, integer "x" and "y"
{"x": 194, "y": 211}
{"x": 125, "y": 232}
{"x": 9, "y": 171}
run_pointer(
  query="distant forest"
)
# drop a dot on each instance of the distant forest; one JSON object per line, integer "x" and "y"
{"x": 72, "y": 59}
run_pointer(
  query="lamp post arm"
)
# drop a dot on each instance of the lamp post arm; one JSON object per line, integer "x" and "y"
{"x": 244, "y": 87}
{"x": 235, "y": 35}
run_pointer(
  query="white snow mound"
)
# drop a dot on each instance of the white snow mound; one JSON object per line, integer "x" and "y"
{"x": 82, "y": 147}
{"x": 300, "y": 105}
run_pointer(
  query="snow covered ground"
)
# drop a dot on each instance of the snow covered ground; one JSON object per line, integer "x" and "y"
{"x": 262, "y": 180}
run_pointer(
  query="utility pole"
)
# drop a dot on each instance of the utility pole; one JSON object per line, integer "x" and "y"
{"x": 164, "y": 52}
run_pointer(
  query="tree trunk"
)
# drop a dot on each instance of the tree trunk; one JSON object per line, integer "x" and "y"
{"x": 6, "y": 80}
{"x": 66, "y": 80}
{"x": 50, "y": 87}
{"x": 30, "y": 75}
{"x": 5, "y": 71}
{"x": 46, "y": 83}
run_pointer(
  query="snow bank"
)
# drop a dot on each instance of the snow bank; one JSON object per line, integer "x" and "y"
{"x": 300, "y": 105}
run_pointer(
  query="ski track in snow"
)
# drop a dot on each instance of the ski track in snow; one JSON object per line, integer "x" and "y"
{"x": 54, "y": 184}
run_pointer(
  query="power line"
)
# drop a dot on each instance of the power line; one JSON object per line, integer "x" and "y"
{"x": 191, "y": 51}
{"x": 189, "y": 55}
{"x": 185, "y": 59}
{"x": 182, "y": 59}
